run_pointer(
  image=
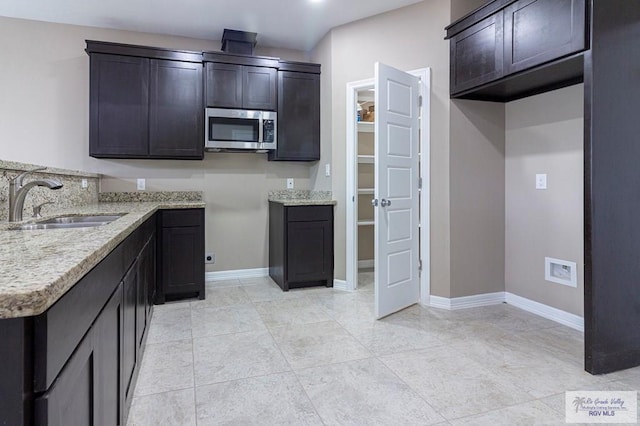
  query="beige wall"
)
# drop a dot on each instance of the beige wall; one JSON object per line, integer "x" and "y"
{"x": 544, "y": 134}
{"x": 407, "y": 38}
{"x": 477, "y": 197}
{"x": 460, "y": 8}
{"x": 322, "y": 54}
{"x": 44, "y": 110}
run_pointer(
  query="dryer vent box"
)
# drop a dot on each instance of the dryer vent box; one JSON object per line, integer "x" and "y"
{"x": 560, "y": 271}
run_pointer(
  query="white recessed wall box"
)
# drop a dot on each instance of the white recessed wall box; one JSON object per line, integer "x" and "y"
{"x": 561, "y": 271}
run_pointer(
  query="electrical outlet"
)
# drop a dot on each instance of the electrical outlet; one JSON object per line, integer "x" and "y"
{"x": 541, "y": 181}
{"x": 327, "y": 170}
{"x": 142, "y": 184}
{"x": 209, "y": 258}
{"x": 289, "y": 183}
{"x": 84, "y": 184}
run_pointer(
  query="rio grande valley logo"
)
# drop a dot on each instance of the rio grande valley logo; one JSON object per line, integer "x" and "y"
{"x": 601, "y": 407}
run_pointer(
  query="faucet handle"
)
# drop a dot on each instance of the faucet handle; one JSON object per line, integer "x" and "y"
{"x": 36, "y": 209}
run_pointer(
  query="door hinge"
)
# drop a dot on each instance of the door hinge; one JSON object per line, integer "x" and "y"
{"x": 420, "y": 101}
{"x": 419, "y": 183}
{"x": 419, "y": 264}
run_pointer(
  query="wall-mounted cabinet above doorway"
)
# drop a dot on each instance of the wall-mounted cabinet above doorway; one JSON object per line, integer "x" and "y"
{"x": 510, "y": 49}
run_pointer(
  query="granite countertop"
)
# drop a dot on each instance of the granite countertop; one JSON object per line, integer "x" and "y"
{"x": 39, "y": 266}
{"x": 302, "y": 198}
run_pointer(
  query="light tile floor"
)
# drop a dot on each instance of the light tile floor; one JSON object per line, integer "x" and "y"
{"x": 251, "y": 354}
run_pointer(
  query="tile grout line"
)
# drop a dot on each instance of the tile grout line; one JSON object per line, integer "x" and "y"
{"x": 315, "y": 409}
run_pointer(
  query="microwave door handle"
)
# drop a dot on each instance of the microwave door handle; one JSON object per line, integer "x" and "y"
{"x": 260, "y": 128}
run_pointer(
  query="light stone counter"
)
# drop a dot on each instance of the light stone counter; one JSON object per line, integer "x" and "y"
{"x": 302, "y": 198}
{"x": 37, "y": 267}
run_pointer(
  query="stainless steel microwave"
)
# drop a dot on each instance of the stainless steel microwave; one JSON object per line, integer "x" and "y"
{"x": 240, "y": 130}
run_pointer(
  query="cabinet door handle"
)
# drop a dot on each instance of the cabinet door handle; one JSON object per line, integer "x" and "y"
{"x": 385, "y": 203}
{"x": 374, "y": 202}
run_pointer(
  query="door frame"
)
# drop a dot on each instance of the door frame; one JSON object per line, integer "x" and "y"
{"x": 351, "y": 185}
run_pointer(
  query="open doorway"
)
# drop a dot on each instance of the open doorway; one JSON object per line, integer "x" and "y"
{"x": 362, "y": 165}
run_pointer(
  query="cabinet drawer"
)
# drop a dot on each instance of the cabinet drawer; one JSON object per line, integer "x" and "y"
{"x": 182, "y": 218}
{"x": 309, "y": 213}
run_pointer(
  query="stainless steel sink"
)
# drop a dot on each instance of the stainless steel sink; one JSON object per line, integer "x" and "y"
{"x": 69, "y": 222}
{"x": 81, "y": 219}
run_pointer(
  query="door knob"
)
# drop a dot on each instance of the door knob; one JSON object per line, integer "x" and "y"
{"x": 374, "y": 202}
{"x": 385, "y": 203}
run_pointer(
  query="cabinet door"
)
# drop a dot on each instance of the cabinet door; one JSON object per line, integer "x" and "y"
{"x": 182, "y": 259}
{"x": 176, "y": 110}
{"x": 298, "y": 117}
{"x": 129, "y": 335}
{"x": 309, "y": 249}
{"x": 259, "y": 88}
{"x": 107, "y": 337}
{"x": 538, "y": 31}
{"x": 71, "y": 400}
{"x": 150, "y": 276}
{"x": 223, "y": 85}
{"x": 476, "y": 54}
{"x": 119, "y": 110}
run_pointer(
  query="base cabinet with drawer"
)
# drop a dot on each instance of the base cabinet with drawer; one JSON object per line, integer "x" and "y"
{"x": 300, "y": 245}
{"x": 181, "y": 254}
{"x": 77, "y": 362}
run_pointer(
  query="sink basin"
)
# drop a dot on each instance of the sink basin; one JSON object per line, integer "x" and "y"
{"x": 36, "y": 226}
{"x": 81, "y": 219}
{"x": 69, "y": 222}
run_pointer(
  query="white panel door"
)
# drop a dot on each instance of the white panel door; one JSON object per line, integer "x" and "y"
{"x": 397, "y": 281}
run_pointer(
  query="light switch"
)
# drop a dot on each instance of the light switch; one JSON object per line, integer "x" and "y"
{"x": 541, "y": 181}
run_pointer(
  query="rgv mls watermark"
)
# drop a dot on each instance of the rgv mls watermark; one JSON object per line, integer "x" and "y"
{"x": 601, "y": 406}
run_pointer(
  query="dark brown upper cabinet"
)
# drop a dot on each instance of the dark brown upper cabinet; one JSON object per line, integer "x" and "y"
{"x": 539, "y": 31}
{"x": 236, "y": 85}
{"x": 145, "y": 102}
{"x": 119, "y": 106}
{"x": 175, "y": 110}
{"x": 509, "y": 49}
{"x": 476, "y": 54}
{"x": 298, "y": 112}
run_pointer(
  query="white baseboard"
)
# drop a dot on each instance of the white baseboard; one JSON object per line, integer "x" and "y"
{"x": 340, "y": 285}
{"x": 565, "y": 318}
{"x": 562, "y": 317}
{"x": 367, "y": 263}
{"x": 236, "y": 274}
{"x": 465, "y": 302}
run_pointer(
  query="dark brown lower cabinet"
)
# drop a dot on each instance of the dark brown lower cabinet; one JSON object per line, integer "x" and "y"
{"x": 76, "y": 363}
{"x": 72, "y": 400}
{"x": 87, "y": 390}
{"x": 300, "y": 245}
{"x": 181, "y": 254}
{"x": 129, "y": 339}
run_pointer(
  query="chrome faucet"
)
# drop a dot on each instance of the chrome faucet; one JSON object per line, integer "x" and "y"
{"x": 18, "y": 192}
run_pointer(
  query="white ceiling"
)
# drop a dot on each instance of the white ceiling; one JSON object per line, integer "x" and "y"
{"x": 294, "y": 24}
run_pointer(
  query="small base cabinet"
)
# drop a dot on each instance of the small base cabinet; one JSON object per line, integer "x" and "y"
{"x": 300, "y": 245}
{"x": 181, "y": 254}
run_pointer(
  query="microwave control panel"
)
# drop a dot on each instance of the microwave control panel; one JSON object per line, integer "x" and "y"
{"x": 269, "y": 131}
